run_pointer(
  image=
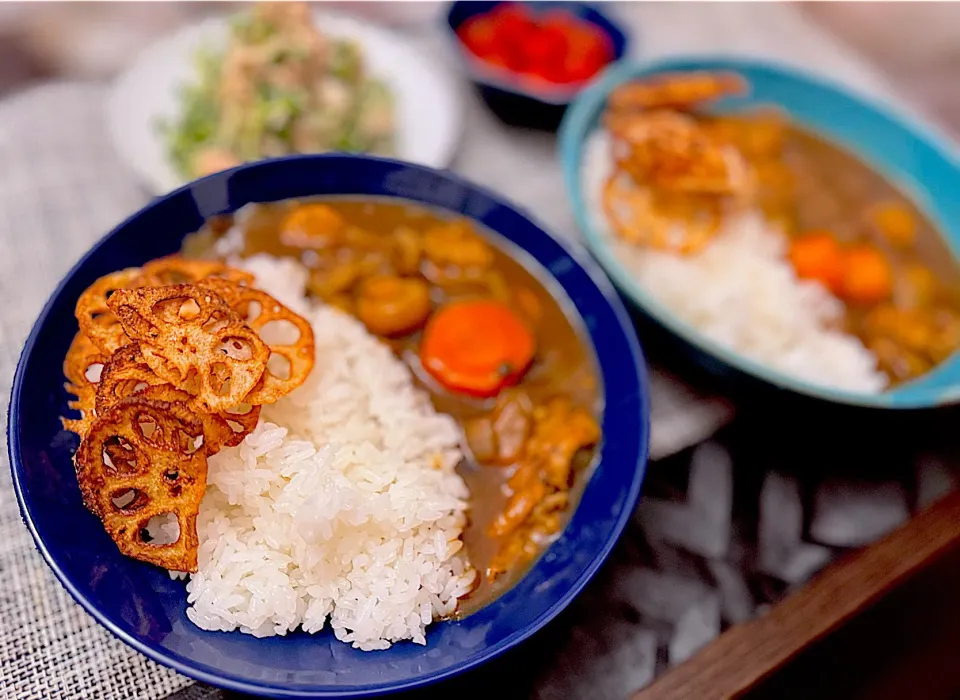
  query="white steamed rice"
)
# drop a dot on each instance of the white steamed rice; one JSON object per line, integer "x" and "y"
{"x": 343, "y": 504}
{"x": 742, "y": 292}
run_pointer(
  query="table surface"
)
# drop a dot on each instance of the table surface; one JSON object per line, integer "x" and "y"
{"x": 904, "y": 647}
{"x": 636, "y": 640}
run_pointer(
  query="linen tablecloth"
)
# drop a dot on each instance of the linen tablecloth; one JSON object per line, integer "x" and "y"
{"x": 62, "y": 187}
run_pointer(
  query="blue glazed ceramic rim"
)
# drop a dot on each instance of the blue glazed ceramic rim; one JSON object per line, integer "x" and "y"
{"x": 938, "y": 387}
{"x": 617, "y": 394}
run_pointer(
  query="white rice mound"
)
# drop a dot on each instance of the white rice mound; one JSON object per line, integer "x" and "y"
{"x": 742, "y": 292}
{"x": 343, "y": 504}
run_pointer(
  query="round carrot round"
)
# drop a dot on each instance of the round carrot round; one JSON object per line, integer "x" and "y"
{"x": 477, "y": 347}
{"x": 818, "y": 256}
{"x": 867, "y": 277}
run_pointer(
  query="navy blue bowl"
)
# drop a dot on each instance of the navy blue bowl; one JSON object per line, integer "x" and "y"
{"x": 515, "y": 103}
{"x": 143, "y": 607}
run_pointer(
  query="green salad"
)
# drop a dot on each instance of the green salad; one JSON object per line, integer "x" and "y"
{"x": 279, "y": 87}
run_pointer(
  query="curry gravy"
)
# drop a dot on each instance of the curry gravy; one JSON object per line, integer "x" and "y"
{"x": 564, "y": 364}
{"x": 811, "y": 186}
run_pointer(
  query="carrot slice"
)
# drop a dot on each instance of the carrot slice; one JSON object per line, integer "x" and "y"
{"x": 477, "y": 347}
{"x": 867, "y": 277}
{"x": 818, "y": 256}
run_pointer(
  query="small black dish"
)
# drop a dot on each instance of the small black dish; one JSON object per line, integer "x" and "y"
{"x": 504, "y": 92}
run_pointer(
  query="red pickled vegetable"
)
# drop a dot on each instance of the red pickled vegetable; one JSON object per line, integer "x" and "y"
{"x": 479, "y": 35}
{"x": 554, "y": 47}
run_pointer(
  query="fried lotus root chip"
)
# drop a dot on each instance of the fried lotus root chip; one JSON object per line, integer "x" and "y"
{"x": 225, "y": 429}
{"x": 174, "y": 269}
{"x": 216, "y": 431}
{"x": 80, "y": 426}
{"x": 83, "y": 368}
{"x": 140, "y": 461}
{"x": 640, "y": 218}
{"x": 127, "y": 374}
{"x": 97, "y": 321}
{"x": 190, "y": 338}
{"x": 288, "y": 335}
{"x": 85, "y": 405}
{"x": 672, "y": 152}
{"x": 83, "y": 362}
{"x": 676, "y": 90}
{"x": 242, "y": 420}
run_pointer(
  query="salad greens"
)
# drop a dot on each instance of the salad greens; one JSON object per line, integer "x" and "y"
{"x": 279, "y": 87}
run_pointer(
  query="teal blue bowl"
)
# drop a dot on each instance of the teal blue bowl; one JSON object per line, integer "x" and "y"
{"x": 922, "y": 164}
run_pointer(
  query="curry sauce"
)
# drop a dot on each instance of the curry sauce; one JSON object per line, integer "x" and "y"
{"x": 914, "y": 323}
{"x": 530, "y": 443}
{"x": 681, "y": 172}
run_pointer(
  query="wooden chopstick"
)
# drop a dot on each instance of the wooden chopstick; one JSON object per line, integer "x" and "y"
{"x": 746, "y": 654}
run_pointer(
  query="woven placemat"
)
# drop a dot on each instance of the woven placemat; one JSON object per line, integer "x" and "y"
{"x": 61, "y": 188}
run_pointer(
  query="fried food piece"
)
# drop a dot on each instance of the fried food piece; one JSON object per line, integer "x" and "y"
{"x": 97, "y": 321}
{"x": 561, "y": 431}
{"x": 83, "y": 368}
{"x": 174, "y": 269}
{"x": 80, "y": 426}
{"x": 759, "y": 134}
{"x": 82, "y": 360}
{"x": 670, "y": 151}
{"x": 288, "y": 336}
{"x": 640, "y": 217}
{"x": 124, "y": 374}
{"x": 242, "y": 420}
{"x": 539, "y": 488}
{"x": 528, "y": 489}
{"x": 677, "y": 176}
{"x": 127, "y": 373}
{"x": 191, "y": 338}
{"x": 140, "y": 460}
{"x": 216, "y": 431}
{"x": 676, "y": 90}
{"x": 225, "y": 429}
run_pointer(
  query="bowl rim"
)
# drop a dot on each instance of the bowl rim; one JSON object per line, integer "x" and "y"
{"x": 183, "y": 664}
{"x": 577, "y": 126}
{"x": 508, "y": 81}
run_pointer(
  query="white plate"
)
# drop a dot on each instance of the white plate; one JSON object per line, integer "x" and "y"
{"x": 428, "y": 107}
